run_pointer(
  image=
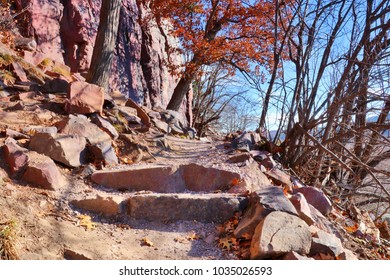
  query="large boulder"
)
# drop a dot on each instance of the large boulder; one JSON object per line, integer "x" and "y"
{"x": 42, "y": 172}
{"x": 63, "y": 148}
{"x": 100, "y": 144}
{"x": 261, "y": 203}
{"x": 278, "y": 234}
{"x": 43, "y": 23}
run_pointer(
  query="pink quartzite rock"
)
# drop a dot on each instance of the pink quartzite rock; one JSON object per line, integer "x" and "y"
{"x": 15, "y": 156}
{"x": 303, "y": 209}
{"x": 261, "y": 203}
{"x": 85, "y": 98}
{"x": 106, "y": 206}
{"x": 42, "y": 172}
{"x": 42, "y": 20}
{"x": 161, "y": 179}
{"x": 326, "y": 243}
{"x": 317, "y": 198}
{"x": 100, "y": 141}
{"x": 67, "y": 149}
{"x": 206, "y": 179}
{"x": 278, "y": 234}
{"x": 66, "y": 30}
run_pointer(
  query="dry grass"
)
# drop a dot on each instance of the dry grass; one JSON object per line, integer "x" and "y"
{"x": 8, "y": 235}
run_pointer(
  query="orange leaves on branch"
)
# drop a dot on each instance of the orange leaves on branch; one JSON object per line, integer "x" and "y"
{"x": 231, "y": 31}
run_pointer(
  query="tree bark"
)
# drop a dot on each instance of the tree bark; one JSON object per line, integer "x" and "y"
{"x": 180, "y": 91}
{"x": 100, "y": 68}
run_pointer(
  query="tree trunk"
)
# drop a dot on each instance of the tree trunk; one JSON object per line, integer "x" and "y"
{"x": 100, "y": 68}
{"x": 179, "y": 93}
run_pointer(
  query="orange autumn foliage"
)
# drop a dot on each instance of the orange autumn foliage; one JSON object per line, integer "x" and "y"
{"x": 233, "y": 32}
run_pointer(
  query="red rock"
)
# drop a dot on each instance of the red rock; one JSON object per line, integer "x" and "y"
{"x": 326, "y": 243}
{"x": 279, "y": 177}
{"x": 26, "y": 95}
{"x": 141, "y": 114}
{"x": 209, "y": 208}
{"x": 207, "y": 179}
{"x": 303, "y": 209}
{"x": 239, "y": 158}
{"x": 100, "y": 142}
{"x": 161, "y": 179}
{"x": 43, "y": 23}
{"x": 85, "y": 98}
{"x": 15, "y": 156}
{"x": 106, "y": 206}
{"x": 19, "y": 71}
{"x": 261, "y": 203}
{"x": 42, "y": 172}
{"x": 67, "y": 149}
{"x": 317, "y": 198}
{"x": 278, "y": 234}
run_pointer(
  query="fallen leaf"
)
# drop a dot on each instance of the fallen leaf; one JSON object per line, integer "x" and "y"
{"x": 352, "y": 229}
{"x": 225, "y": 243}
{"x": 86, "y": 221}
{"x": 193, "y": 236}
{"x": 146, "y": 242}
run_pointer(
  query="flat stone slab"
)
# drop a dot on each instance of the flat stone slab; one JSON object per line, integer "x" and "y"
{"x": 106, "y": 206}
{"x": 158, "y": 178}
{"x": 207, "y": 208}
{"x": 167, "y": 178}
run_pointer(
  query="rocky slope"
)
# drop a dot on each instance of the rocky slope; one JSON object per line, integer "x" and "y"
{"x": 90, "y": 175}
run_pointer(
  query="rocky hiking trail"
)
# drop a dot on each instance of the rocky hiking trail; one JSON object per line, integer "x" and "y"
{"x": 87, "y": 175}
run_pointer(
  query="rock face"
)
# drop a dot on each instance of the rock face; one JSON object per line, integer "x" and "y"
{"x": 65, "y": 31}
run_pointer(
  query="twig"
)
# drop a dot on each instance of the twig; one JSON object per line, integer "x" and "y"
{"x": 366, "y": 167}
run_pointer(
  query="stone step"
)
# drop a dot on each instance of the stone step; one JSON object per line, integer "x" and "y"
{"x": 168, "y": 207}
{"x": 167, "y": 178}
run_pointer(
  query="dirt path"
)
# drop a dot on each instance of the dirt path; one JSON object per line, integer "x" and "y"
{"x": 49, "y": 228}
